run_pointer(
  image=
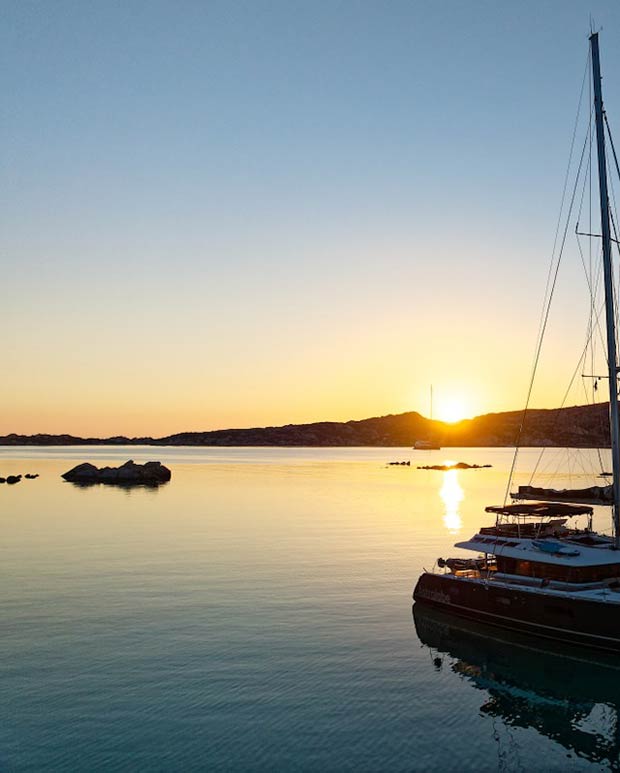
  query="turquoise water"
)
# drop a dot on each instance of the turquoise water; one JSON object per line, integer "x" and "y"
{"x": 255, "y": 614}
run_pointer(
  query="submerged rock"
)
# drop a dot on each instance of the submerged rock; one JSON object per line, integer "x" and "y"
{"x": 128, "y": 474}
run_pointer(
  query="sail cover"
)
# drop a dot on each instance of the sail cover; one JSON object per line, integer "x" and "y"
{"x": 594, "y": 495}
{"x": 540, "y": 509}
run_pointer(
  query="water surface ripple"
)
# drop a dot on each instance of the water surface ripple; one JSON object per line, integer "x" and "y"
{"x": 255, "y": 614}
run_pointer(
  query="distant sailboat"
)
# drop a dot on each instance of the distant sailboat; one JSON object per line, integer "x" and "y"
{"x": 428, "y": 444}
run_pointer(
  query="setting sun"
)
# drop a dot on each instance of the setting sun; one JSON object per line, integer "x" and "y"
{"x": 451, "y": 409}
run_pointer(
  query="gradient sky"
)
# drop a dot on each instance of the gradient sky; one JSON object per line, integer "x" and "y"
{"x": 225, "y": 214}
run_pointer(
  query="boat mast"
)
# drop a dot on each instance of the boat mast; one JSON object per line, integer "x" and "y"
{"x": 612, "y": 359}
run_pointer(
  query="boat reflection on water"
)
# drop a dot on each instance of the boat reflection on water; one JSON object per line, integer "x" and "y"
{"x": 570, "y": 696}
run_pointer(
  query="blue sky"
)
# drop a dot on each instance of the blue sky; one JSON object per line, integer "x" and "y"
{"x": 220, "y": 214}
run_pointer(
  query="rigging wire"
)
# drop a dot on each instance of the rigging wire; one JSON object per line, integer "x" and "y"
{"x": 593, "y": 283}
{"x": 615, "y": 157}
{"x": 550, "y": 289}
{"x": 594, "y": 324}
{"x": 611, "y": 142}
{"x": 613, "y": 217}
{"x": 562, "y": 404}
{"x": 564, "y": 188}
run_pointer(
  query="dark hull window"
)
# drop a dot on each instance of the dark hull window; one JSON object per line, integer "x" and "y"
{"x": 556, "y": 572}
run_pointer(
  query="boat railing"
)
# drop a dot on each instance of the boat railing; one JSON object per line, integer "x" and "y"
{"x": 538, "y": 582}
{"x": 472, "y": 574}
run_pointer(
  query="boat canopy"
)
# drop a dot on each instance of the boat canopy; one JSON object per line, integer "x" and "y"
{"x": 594, "y": 495}
{"x": 540, "y": 509}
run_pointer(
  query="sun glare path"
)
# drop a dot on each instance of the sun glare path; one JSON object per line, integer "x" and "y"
{"x": 452, "y": 494}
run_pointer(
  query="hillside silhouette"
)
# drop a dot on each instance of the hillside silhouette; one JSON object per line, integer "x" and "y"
{"x": 585, "y": 426}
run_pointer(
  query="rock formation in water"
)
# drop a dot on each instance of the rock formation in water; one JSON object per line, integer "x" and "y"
{"x": 128, "y": 474}
{"x": 457, "y": 466}
{"x": 17, "y": 478}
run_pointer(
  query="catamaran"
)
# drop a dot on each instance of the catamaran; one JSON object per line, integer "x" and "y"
{"x": 536, "y": 571}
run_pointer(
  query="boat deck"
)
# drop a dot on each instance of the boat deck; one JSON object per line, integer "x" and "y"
{"x": 524, "y": 549}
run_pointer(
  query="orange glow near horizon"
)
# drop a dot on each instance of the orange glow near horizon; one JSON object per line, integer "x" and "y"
{"x": 451, "y": 409}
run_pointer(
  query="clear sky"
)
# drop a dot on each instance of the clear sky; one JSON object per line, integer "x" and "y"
{"x": 221, "y": 214}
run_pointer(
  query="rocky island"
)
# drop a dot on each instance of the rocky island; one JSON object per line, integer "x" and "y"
{"x": 457, "y": 466}
{"x": 128, "y": 474}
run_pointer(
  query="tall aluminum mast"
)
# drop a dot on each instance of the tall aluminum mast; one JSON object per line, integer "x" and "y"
{"x": 612, "y": 359}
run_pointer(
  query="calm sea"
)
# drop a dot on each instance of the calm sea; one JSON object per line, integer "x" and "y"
{"x": 255, "y": 614}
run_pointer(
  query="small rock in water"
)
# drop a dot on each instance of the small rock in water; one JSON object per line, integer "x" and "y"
{"x": 17, "y": 478}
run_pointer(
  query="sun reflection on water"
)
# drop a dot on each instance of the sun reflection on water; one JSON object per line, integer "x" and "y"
{"x": 452, "y": 494}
